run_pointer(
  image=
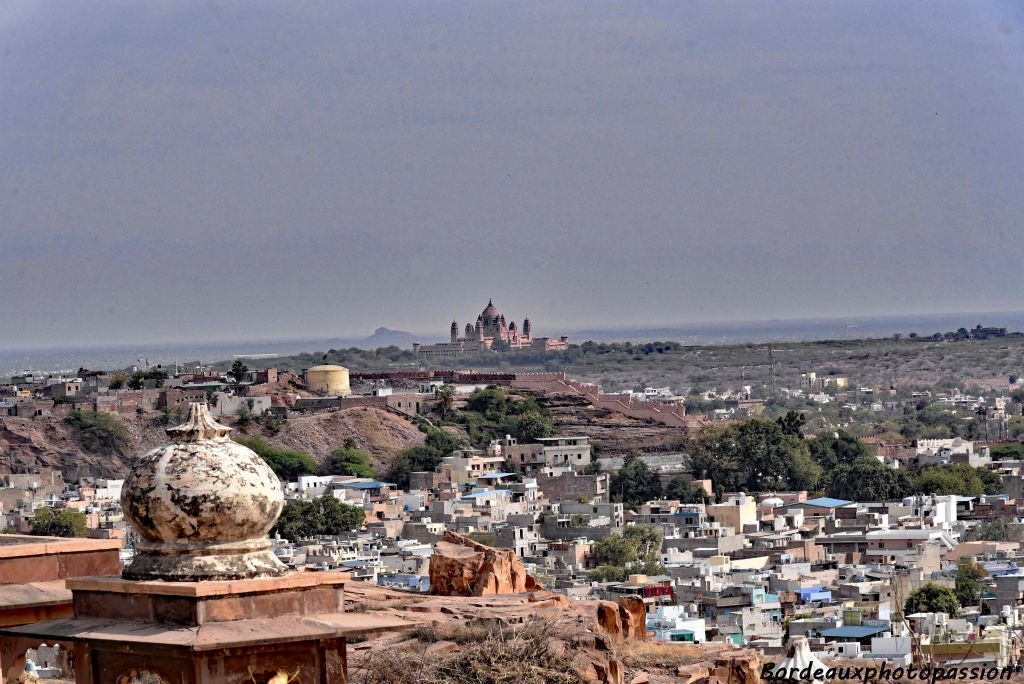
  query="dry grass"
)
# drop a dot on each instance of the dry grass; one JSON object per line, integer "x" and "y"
{"x": 503, "y": 656}
{"x": 658, "y": 654}
{"x": 362, "y": 605}
{"x": 466, "y": 633}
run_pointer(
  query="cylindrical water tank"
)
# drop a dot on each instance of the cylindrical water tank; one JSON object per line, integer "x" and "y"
{"x": 330, "y": 380}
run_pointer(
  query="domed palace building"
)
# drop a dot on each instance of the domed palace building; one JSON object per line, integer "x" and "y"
{"x": 489, "y": 332}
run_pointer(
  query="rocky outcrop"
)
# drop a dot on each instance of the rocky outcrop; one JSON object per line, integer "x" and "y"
{"x": 633, "y": 614}
{"x": 590, "y": 632}
{"x": 743, "y": 667}
{"x": 463, "y": 567}
{"x": 608, "y": 620}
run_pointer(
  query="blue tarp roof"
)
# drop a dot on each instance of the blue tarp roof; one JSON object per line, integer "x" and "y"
{"x": 853, "y": 631}
{"x": 826, "y": 502}
{"x": 362, "y": 485}
{"x": 475, "y": 495}
{"x": 489, "y": 476}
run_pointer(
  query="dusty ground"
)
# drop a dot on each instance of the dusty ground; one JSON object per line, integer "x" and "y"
{"x": 380, "y": 433}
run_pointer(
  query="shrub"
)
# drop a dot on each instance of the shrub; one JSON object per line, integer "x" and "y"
{"x": 286, "y": 464}
{"x": 524, "y": 656}
{"x": 325, "y": 515}
{"x": 66, "y": 522}
{"x": 99, "y": 432}
{"x": 348, "y": 462}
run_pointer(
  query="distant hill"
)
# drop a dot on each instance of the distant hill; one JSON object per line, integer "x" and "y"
{"x": 385, "y": 337}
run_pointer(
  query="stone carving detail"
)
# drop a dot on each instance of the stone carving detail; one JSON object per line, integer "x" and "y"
{"x": 202, "y": 507}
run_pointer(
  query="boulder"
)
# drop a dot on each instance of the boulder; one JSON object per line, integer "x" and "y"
{"x": 633, "y": 613}
{"x": 608, "y": 620}
{"x": 463, "y": 567}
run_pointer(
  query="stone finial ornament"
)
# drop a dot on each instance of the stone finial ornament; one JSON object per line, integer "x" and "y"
{"x": 202, "y": 507}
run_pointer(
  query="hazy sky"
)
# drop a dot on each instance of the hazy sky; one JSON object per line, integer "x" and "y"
{"x": 225, "y": 170}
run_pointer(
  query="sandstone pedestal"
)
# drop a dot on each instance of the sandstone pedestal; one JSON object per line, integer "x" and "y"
{"x": 205, "y": 599}
{"x": 234, "y": 632}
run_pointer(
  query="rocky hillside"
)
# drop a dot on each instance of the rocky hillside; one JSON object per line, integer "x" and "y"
{"x": 617, "y": 434}
{"x": 380, "y": 433}
{"x": 28, "y": 444}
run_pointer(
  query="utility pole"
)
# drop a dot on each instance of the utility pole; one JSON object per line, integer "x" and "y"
{"x": 771, "y": 372}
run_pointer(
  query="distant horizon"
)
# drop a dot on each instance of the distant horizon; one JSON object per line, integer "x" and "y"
{"x": 570, "y": 330}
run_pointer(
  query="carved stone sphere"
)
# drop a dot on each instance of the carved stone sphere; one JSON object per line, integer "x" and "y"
{"x": 202, "y": 507}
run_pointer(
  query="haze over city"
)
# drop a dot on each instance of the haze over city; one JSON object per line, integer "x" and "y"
{"x": 206, "y": 171}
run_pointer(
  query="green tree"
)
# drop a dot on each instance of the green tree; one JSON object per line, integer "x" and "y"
{"x": 636, "y": 544}
{"x": 685, "y": 491}
{"x": 138, "y": 379}
{"x": 608, "y": 573}
{"x": 1001, "y": 452}
{"x": 614, "y": 550}
{"x": 445, "y": 401}
{"x": 645, "y": 540}
{"x": 755, "y": 455}
{"x": 991, "y": 481}
{"x": 325, "y": 515}
{"x": 865, "y": 479}
{"x": 348, "y": 462}
{"x": 959, "y": 479}
{"x": 238, "y": 371}
{"x": 791, "y": 423}
{"x": 65, "y": 522}
{"x": 635, "y": 483}
{"x": 932, "y": 598}
{"x": 444, "y": 442}
{"x": 969, "y": 586}
{"x": 99, "y": 433}
{"x": 840, "y": 448}
{"x": 287, "y": 464}
{"x": 119, "y": 380}
{"x": 529, "y": 427}
{"x": 488, "y": 400}
{"x": 579, "y": 520}
{"x": 997, "y": 529}
{"x": 422, "y": 458}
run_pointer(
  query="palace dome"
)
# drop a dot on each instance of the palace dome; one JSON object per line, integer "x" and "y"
{"x": 491, "y": 312}
{"x": 202, "y": 506}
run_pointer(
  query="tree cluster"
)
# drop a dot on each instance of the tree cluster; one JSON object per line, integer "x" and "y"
{"x": 635, "y": 551}
{"x": 348, "y": 461}
{"x": 754, "y": 455}
{"x": 325, "y": 515}
{"x": 287, "y": 464}
{"x": 65, "y": 522}
{"x": 932, "y": 598}
{"x": 969, "y": 582}
{"x": 426, "y": 457}
{"x": 492, "y": 413}
{"x": 138, "y": 379}
{"x": 99, "y": 433}
{"x": 759, "y": 455}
